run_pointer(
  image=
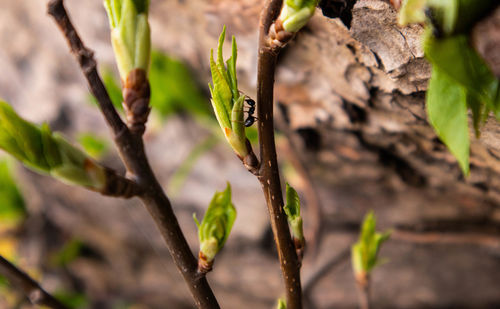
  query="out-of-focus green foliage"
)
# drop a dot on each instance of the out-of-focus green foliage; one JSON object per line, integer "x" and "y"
{"x": 68, "y": 253}
{"x": 281, "y": 304}
{"x": 460, "y": 78}
{"x": 217, "y": 223}
{"x": 364, "y": 253}
{"x": 12, "y": 208}
{"x": 73, "y": 300}
{"x": 173, "y": 87}
{"x": 181, "y": 173}
{"x": 94, "y": 145}
{"x": 447, "y": 111}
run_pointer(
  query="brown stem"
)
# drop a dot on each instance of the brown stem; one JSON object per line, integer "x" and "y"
{"x": 119, "y": 186}
{"x": 363, "y": 282}
{"x": 269, "y": 171}
{"x": 35, "y": 293}
{"x": 131, "y": 149}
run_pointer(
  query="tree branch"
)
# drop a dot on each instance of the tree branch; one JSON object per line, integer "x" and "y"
{"x": 35, "y": 293}
{"x": 131, "y": 149}
{"x": 269, "y": 172}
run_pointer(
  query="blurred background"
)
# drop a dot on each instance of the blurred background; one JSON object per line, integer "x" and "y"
{"x": 352, "y": 137}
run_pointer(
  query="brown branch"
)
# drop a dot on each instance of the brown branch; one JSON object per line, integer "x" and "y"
{"x": 269, "y": 172}
{"x": 131, "y": 149}
{"x": 35, "y": 293}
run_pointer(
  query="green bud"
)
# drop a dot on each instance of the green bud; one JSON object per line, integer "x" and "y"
{"x": 226, "y": 98}
{"x": 281, "y": 304}
{"x": 130, "y": 34}
{"x": 296, "y": 13}
{"x": 364, "y": 253}
{"x": 215, "y": 227}
{"x": 292, "y": 210}
{"x": 43, "y": 151}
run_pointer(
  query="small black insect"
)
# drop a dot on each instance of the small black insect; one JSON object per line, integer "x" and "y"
{"x": 251, "y": 110}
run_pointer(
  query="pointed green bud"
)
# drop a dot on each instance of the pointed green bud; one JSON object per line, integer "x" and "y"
{"x": 215, "y": 228}
{"x": 281, "y": 304}
{"x": 296, "y": 13}
{"x": 292, "y": 210}
{"x": 364, "y": 253}
{"x": 226, "y": 98}
{"x": 130, "y": 34}
{"x": 40, "y": 149}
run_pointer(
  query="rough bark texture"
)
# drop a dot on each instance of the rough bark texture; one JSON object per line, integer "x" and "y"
{"x": 352, "y": 100}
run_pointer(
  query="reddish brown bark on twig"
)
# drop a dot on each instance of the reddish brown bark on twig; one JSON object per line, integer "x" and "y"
{"x": 269, "y": 171}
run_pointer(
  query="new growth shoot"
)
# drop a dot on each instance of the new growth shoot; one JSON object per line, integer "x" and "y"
{"x": 215, "y": 228}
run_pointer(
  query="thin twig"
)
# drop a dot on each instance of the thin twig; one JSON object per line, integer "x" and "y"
{"x": 269, "y": 172}
{"x": 364, "y": 294}
{"x": 131, "y": 149}
{"x": 33, "y": 291}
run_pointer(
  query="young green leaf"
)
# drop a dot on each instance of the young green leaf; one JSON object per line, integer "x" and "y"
{"x": 460, "y": 62}
{"x": 292, "y": 210}
{"x": 130, "y": 34}
{"x": 215, "y": 227}
{"x": 447, "y": 111}
{"x": 226, "y": 99}
{"x": 46, "y": 152}
{"x": 364, "y": 253}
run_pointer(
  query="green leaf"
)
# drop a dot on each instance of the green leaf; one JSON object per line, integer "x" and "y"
{"x": 292, "y": 211}
{"x": 220, "y": 58}
{"x": 231, "y": 68}
{"x": 479, "y": 112}
{"x": 130, "y": 34}
{"x": 447, "y": 112}
{"x": 364, "y": 253}
{"x": 221, "y": 91}
{"x": 460, "y": 62}
{"x": 217, "y": 223}
{"x": 45, "y": 152}
{"x": 237, "y": 137}
{"x": 12, "y": 208}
